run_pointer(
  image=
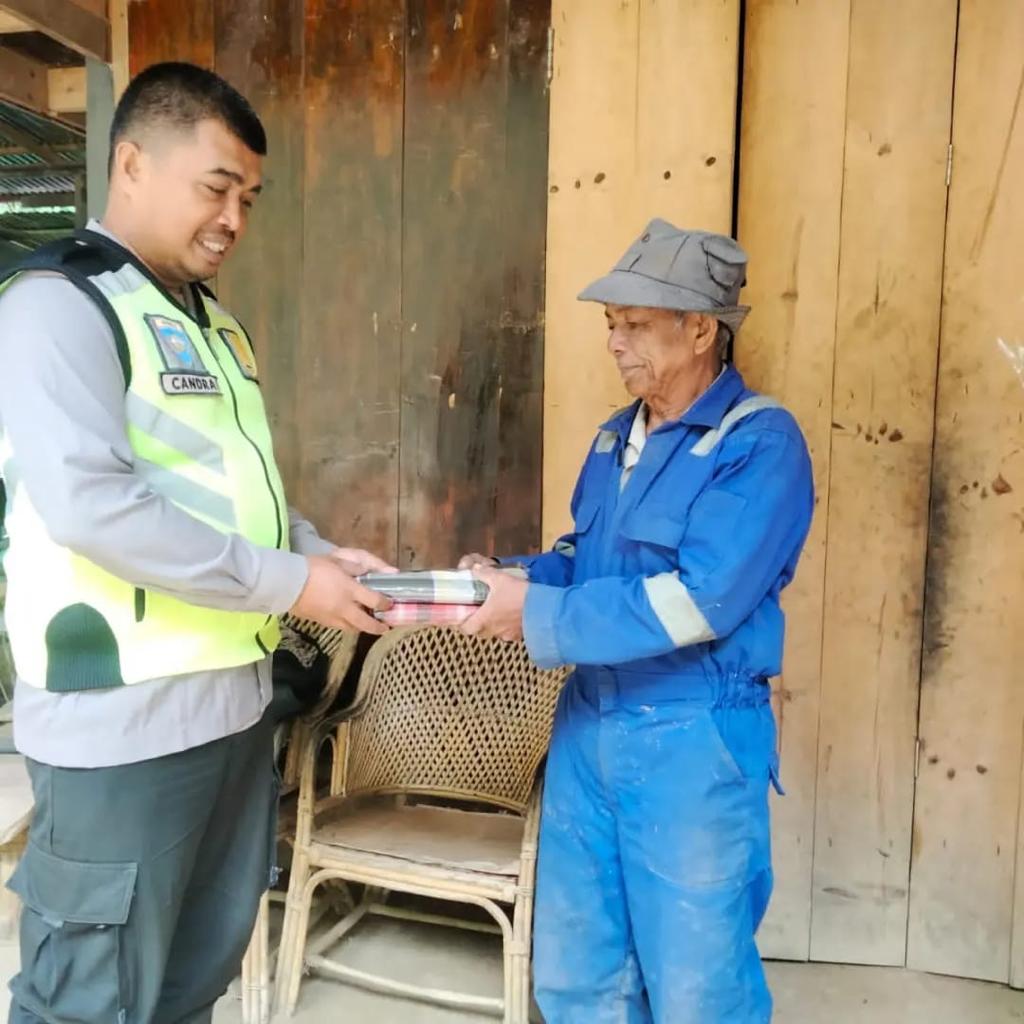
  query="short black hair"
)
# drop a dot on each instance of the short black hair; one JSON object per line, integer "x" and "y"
{"x": 177, "y": 95}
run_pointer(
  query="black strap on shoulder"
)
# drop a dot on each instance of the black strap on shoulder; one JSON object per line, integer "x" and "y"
{"x": 121, "y": 256}
{"x": 78, "y": 259}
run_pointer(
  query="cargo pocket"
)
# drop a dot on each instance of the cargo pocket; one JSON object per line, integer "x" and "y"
{"x": 71, "y": 936}
{"x": 654, "y": 526}
{"x": 744, "y": 740}
{"x": 724, "y": 761}
{"x": 775, "y": 775}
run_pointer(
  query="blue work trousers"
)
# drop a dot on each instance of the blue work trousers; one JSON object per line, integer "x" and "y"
{"x": 655, "y": 861}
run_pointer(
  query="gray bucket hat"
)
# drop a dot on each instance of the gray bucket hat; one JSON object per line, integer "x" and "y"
{"x": 668, "y": 268}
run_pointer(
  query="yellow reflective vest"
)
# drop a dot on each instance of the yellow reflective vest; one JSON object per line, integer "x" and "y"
{"x": 199, "y": 434}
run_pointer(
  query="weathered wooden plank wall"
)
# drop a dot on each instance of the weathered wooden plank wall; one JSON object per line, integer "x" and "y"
{"x": 472, "y": 263}
{"x": 166, "y": 30}
{"x": 393, "y": 276}
{"x": 259, "y": 47}
{"x": 636, "y": 132}
{"x": 789, "y": 214}
{"x": 964, "y": 917}
{"x": 347, "y": 402}
{"x": 899, "y": 95}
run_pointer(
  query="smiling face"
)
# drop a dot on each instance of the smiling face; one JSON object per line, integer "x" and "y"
{"x": 181, "y": 198}
{"x": 664, "y": 357}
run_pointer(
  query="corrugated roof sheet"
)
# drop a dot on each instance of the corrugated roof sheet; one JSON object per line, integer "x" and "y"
{"x": 42, "y": 128}
{"x": 28, "y": 226}
{"x": 68, "y": 148}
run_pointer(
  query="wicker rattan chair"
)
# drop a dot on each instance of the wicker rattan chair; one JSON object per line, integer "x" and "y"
{"x": 436, "y": 715}
{"x": 340, "y": 648}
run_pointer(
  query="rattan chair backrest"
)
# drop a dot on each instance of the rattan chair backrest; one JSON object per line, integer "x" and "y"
{"x": 439, "y": 713}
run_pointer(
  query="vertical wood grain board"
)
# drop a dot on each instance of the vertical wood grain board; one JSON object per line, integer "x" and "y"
{"x": 963, "y": 905}
{"x": 899, "y": 98}
{"x": 347, "y": 410}
{"x": 789, "y": 220}
{"x": 259, "y": 50}
{"x": 160, "y": 30}
{"x": 636, "y": 133}
{"x": 470, "y": 351}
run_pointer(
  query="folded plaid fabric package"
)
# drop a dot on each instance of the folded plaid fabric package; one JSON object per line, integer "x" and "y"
{"x": 427, "y": 614}
{"x": 435, "y": 597}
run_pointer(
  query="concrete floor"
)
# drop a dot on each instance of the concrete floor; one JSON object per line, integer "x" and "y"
{"x": 804, "y": 993}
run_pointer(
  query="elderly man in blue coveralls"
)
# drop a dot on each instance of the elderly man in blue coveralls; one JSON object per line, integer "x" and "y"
{"x": 690, "y": 514}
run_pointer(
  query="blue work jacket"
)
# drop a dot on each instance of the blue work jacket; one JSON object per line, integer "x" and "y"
{"x": 680, "y": 573}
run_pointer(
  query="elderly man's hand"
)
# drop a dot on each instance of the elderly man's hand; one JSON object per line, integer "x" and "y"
{"x": 502, "y": 613}
{"x": 472, "y": 560}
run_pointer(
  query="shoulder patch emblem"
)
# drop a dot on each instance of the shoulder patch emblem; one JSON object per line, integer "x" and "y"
{"x": 241, "y": 351}
{"x": 186, "y": 373}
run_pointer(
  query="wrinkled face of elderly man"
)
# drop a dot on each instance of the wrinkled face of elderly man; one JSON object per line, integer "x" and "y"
{"x": 665, "y": 357}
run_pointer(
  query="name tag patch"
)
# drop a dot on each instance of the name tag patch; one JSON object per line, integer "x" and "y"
{"x": 189, "y": 384}
{"x": 186, "y": 373}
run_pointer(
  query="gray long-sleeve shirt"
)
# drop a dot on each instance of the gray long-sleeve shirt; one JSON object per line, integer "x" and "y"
{"x": 62, "y": 409}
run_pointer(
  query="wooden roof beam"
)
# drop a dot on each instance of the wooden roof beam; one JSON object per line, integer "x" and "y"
{"x": 75, "y": 24}
{"x": 66, "y": 90}
{"x": 45, "y": 90}
{"x": 10, "y": 24}
{"x": 23, "y": 80}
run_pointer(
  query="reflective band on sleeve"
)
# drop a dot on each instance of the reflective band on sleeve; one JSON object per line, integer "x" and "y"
{"x": 677, "y": 611}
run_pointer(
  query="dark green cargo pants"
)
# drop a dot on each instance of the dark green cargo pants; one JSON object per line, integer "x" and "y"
{"x": 141, "y": 882}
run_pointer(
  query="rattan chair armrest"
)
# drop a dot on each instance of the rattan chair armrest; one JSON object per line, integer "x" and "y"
{"x": 320, "y": 731}
{"x": 307, "y": 777}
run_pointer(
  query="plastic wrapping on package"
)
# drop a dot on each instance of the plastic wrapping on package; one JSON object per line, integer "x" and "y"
{"x": 432, "y": 586}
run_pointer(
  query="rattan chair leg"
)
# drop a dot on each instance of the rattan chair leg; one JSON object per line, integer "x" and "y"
{"x": 263, "y": 961}
{"x": 522, "y": 920}
{"x": 519, "y": 970}
{"x": 293, "y": 934}
{"x": 248, "y": 1016}
{"x": 508, "y": 988}
{"x": 519, "y": 964}
{"x": 255, "y": 969}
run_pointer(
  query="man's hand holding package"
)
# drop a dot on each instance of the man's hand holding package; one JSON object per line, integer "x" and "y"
{"x": 334, "y": 598}
{"x": 501, "y": 615}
